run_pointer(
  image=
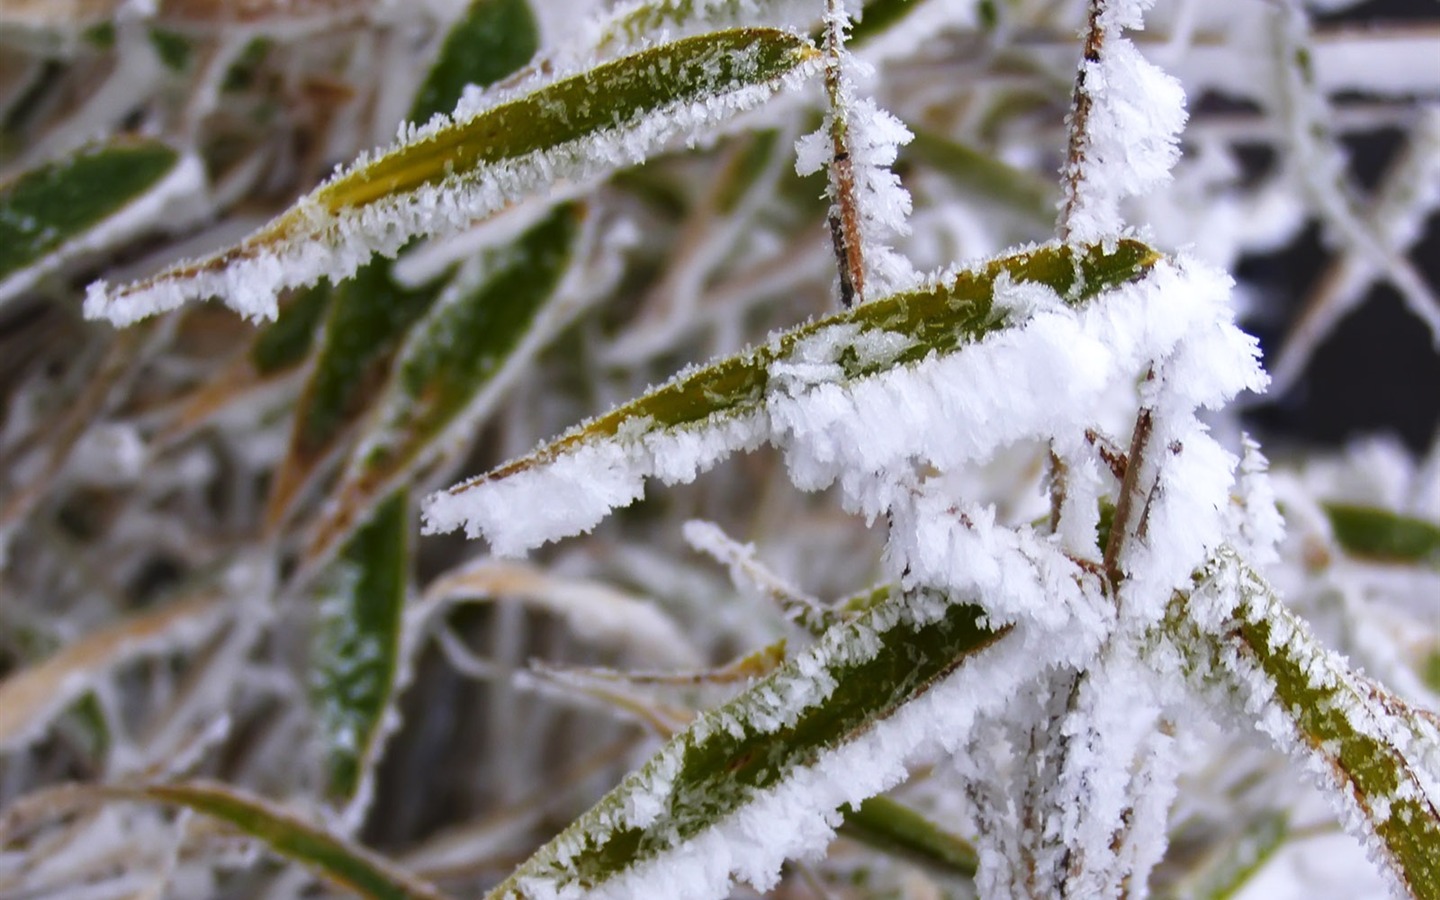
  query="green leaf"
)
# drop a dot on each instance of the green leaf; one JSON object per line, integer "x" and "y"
{"x": 346, "y": 864}
{"x": 51, "y": 210}
{"x": 493, "y": 39}
{"x": 634, "y": 87}
{"x": 732, "y": 755}
{"x": 368, "y": 319}
{"x": 173, "y": 48}
{"x": 446, "y": 177}
{"x": 938, "y": 320}
{"x": 446, "y": 374}
{"x": 286, "y": 342}
{"x": 1371, "y": 743}
{"x": 897, "y": 829}
{"x": 356, "y": 663}
{"x": 1383, "y": 535}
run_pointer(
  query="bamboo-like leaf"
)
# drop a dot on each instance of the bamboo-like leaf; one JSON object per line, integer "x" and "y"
{"x": 754, "y": 744}
{"x": 286, "y": 342}
{"x": 342, "y": 862}
{"x": 1383, "y": 535}
{"x": 85, "y": 202}
{"x": 448, "y": 174}
{"x": 450, "y": 369}
{"x": 357, "y": 663}
{"x": 491, "y": 40}
{"x": 731, "y": 393}
{"x": 369, "y": 316}
{"x": 1379, "y": 756}
{"x": 937, "y": 320}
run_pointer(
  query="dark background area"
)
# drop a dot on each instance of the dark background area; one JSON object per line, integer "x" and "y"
{"x": 1378, "y": 370}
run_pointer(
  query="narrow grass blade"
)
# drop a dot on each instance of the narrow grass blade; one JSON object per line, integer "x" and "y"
{"x": 456, "y": 363}
{"x": 1379, "y": 757}
{"x": 31, "y": 697}
{"x": 356, "y": 666}
{"x": 85, "y": 202}
{"x": 368, "y": 319}
{"x": 491, "y": 40}
{"x": 774, "y": 734}
{"x": 347, "y": 864}
{"x": 1383, "y": 535}
{"x": 448, "y": 174}
{"x": 706, "y": 413}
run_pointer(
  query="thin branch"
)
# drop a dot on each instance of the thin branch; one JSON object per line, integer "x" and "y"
{"x": 844, "y": 210}
{"x": 1077, "y": 123}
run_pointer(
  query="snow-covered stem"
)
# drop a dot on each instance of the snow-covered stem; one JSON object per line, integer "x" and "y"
{"x": 844, "y": 211}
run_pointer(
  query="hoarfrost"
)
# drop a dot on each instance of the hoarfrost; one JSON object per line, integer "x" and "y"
{"x": 313, "y": 242}
{"x": 1129, "y": 114}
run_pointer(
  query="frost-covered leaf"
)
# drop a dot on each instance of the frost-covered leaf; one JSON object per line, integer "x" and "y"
{"x": 87, "y": 201}
{"x": 337, "y": 859}
{"x": 450, "y": 370}
{"x": 704, "y": 414}
{"x": 356, "y": 663}
{"x": 492, "y": 39}
{"x": 369, "y": 316}
{"x": 449, "y": 173}
{"x": 1379, "y": 757}
{"x": 1383, "y": 535}
{"x": 759, "y": 777}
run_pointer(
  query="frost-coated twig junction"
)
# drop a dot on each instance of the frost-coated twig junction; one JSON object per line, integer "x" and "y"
{"x": 909, "y": 543}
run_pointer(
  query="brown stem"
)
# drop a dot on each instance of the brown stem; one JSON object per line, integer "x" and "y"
{"x": 1078, "y": 121}
{"x": 844, "y": 212}
{"x": 1129, "y": 490}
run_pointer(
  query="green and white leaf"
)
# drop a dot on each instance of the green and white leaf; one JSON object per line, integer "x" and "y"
{"x": 89, "y": 201}
{"x": 704, "y": 414}
{"x": 1378, "y": 757}
{"x": 458, "y": 361}
{"x": 369, "y": 316}
{"x": 448, "y": 174}
{"x": 832, "y": 727}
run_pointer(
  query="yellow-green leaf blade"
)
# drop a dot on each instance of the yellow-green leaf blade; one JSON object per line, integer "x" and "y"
{"x": 368, "y": 319}
{"x": 1368, "y": 746}
{"x": 895, "y": 828}
{"x": 447, "y": 175}
{"x": 734, "y": 755}
{"x": 341, "y": 861}
{"x": 1384, "y": 535}
{"x": 714, "y": 410}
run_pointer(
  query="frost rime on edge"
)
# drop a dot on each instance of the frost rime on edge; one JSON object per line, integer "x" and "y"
{"x": 313, "y": 243}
